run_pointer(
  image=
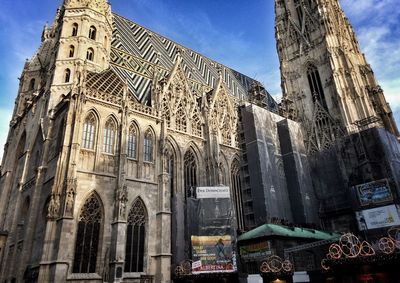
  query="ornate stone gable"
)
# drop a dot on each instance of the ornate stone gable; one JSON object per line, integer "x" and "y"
{"x": 178, "y": 104}
{"x": 223, "y": 115}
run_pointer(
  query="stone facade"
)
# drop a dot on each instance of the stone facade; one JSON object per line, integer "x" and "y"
{"x": 351, "y": 137}
{"x": 115, "y": 125}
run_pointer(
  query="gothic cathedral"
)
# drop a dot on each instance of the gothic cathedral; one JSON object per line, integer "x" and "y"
{"x": 114, "y": 127}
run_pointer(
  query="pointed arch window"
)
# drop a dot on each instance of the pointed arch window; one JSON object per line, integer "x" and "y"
{"x": 110, "y": 130}
{"x": 89, "y": 131}
{"x": 196, "y": 126}
{"x": 87, "y": 238}
{"x": 236, "y": 185}
{"x": 74, "y": 29}
{"x": 24, "y": 216}
{"x": 90, "y": 54}
{"x": 92, "y": 33}
{"x": 71, "y": 51}
{"x": 181, "y": 123}
{"x": 135, "y": 237}
{"x": 315, "y": 84}
{"x": 148, "y": 146}
{"x": 170, "y": 164}
{"x": 67, "y": 75}
{"x": 190, "y": 173}
{"x": 132, "y": 141}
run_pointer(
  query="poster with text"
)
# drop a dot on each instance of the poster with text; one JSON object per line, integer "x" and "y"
{"x": 379, "y": 217}
{"x": 212, "y": 254}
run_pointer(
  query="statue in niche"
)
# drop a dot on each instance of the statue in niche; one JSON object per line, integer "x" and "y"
{"x": 54, "y": 206}
{"x": 122, "y": 199}
{"x": 70, "y": 185}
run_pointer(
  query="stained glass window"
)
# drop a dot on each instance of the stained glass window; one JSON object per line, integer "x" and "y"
{"x": 190, "y": 173}
{"x": 89, "y": 131}
{"x": 135, "y": 237}
{"x": 132, "y": 140}
{"x": 148, "y": 146}
{"x": 87, "y": 239}
{"x": 109, "y": 136}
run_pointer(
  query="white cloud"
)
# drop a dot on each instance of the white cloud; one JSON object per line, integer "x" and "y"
{"x": 377, "y": 27}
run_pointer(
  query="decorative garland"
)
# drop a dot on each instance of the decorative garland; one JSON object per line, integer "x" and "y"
{"x": 350, "y": 247}
{"x": 183, "y": 268}
{"x": 276, "y": 265}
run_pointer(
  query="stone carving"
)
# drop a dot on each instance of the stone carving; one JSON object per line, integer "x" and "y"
{"x": 122, "y": 199}
{"x": 54, "y": 206}
{"x": 70, "y": 193}
{"x": 99, "y": 5}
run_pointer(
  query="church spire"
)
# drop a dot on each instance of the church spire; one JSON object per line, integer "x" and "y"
{"x": 322, "y": 65}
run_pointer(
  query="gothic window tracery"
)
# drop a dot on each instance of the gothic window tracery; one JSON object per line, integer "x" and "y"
{"x": 222, "y": 118}
{"x": 180, "y": 119}
{"x": 89, "y": 131}
{"x": 190, "y": 173}
{"x": 92, "y": 33}
{"x": 148, "y": 146}
{"x": 196, "y": 125}
{"x": 132, "y": 141}
{"x": 136, "y": 236}
{"x": 87, "y": 239}
{"x": 110, "y": 130}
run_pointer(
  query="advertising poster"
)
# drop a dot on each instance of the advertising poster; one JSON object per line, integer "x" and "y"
{"x": 374, "y": 193}
{"x": 379, "y": 217}
{"x": 212, "y": 254}
{"x": 255, "y": 251}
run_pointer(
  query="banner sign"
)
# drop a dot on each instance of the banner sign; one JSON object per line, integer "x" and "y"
{"x": 212, "y": 254}
{"x": 212, "y": 192}
{"x": 376, "y": 192}
{"x": 255, "y": 251}
{"x": 379, "y": 217}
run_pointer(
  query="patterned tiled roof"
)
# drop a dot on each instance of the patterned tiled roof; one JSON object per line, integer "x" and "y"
{"x": 140, "y": 55}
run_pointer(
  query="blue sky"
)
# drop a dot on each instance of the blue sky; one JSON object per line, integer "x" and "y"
{"x": 239, "y": 34}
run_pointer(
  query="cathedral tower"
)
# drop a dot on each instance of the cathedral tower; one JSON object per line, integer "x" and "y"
{"x": 85, "y": 31}
{"x": 326, "y": 81}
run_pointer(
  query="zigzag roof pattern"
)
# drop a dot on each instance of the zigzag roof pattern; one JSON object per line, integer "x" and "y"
{"x": 141, "y": 56}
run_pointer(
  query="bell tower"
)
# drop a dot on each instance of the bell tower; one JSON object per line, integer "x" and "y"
{"x": 326, "y": 81}
{"x": 85, "y": 31}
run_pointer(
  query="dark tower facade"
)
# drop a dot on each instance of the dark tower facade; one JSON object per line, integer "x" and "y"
{"x": 326, "y": 81}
